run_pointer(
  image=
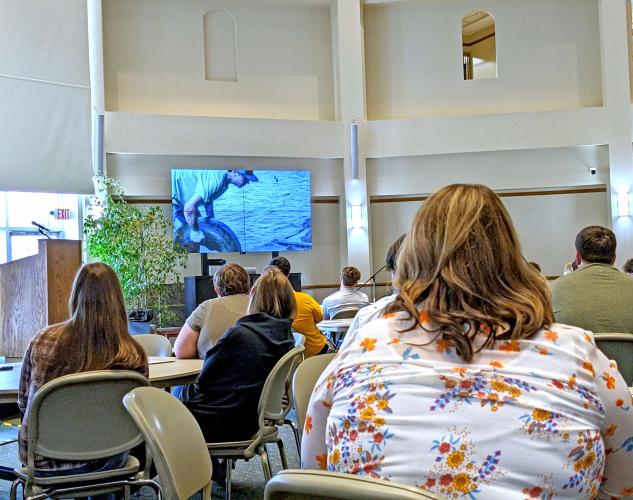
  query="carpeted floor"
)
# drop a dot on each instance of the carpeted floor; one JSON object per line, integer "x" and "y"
{"x": 248, "y": 479}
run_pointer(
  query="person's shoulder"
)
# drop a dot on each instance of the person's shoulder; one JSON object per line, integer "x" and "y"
{"x": 304, "y": 297}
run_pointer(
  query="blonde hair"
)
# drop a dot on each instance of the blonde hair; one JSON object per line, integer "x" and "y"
{"x": 462, "y": 259}
{"x": 272, "y": 294}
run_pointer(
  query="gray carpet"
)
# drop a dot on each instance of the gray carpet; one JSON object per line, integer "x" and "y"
{"x": 248, "y": 479}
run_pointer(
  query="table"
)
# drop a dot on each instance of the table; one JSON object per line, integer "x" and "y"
{"x": 175, "y": 372}
{"x": 335, "y": 328}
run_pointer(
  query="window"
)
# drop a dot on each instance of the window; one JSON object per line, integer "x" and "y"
{"x": 60, "y": 213}
{"x": 220, "y": 46}
{"x": 479, "y": 46}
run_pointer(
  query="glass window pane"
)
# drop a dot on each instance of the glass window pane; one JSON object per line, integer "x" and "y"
{"x": 23, "y": 245}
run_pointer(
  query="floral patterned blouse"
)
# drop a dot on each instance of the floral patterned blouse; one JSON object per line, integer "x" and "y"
{"x": 546, "y": 417}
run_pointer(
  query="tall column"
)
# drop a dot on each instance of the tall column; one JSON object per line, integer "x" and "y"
{"x": 97, "y": 86}
{"x": 351, "y": 79}
{"x": 616, "y": 96}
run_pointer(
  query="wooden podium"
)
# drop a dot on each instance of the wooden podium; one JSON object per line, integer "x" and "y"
{"x": 34, "y": 292}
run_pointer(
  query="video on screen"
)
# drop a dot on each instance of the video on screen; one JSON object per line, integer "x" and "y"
{"x": 242, "y": 210}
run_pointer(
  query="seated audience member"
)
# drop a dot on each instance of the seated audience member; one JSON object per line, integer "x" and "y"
{"x": 596, "y": 296}
{"x": 94, "y": 338}
{"x": 347, "y": 296}
{"x": 628, "y": 267}
{"x": 374, "y": 311}
{"x": 465, "y": 387}
{"x": 208, "y": 322}
{"x": 224, "y": 397}
{"x": 309, "y": 313}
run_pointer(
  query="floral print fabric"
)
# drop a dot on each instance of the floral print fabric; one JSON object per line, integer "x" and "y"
{"x": 540, "y": 418}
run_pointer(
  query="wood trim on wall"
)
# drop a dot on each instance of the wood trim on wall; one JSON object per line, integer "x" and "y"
{"x": 507, "y": 194}
{"x": 479, "y": 40}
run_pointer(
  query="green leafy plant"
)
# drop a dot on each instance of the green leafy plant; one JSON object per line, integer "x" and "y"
{"x": 137, "y": 244}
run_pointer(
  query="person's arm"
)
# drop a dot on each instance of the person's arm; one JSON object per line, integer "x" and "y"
{"x": 313, "y": 445}
{"x": 617, "y": 430}
{"x": 191, "y": 209}
{"x": 25, "y": 380}
{"x": 186, "y": 345}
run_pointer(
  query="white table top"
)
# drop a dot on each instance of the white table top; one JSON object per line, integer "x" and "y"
{"x": 335, "y": 325}
{"x": 162, "y": 374}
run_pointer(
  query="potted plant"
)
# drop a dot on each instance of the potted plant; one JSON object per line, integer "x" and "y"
{"x": 137, "y": 243}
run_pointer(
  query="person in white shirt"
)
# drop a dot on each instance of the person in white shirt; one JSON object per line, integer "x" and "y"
{"x": 347, "y": 297}
{"x": 376, "y": 310}
{"x": 466, "y": 387}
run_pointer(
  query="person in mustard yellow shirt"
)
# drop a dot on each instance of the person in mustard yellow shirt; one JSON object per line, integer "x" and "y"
{"x": 309, "y": 313}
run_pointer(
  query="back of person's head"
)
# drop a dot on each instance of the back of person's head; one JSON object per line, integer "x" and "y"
{"x": 272, "y": 294}
{"x": 231, "y": 279}
{"x": 628, "y": 266}
{"x": 596, "y": 244}
{"x": 96, "y": 335}
{"x": 349, "y": 276}
{"x": 462, "y": 261}
{"x": 281, "y": 263}
{"x": 392, "y": 254}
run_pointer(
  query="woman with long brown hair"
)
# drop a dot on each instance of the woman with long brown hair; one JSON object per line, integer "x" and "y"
{"x": 95, "y": 337}
{"x": 466, "y": 387}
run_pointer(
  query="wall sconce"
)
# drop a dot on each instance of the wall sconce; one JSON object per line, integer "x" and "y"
{"x": 624, "y": 209}
{"x": 357, "y": 217}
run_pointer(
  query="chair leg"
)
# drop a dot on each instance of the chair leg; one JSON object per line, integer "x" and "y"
{"x": 14, "y": 490}
{"x": 282, "y": 454}
{"x": 206, "y": 492}
{"x": 295, "y": 431}
{"x": 229, "y": 469}
{"x": 265, "y": 463}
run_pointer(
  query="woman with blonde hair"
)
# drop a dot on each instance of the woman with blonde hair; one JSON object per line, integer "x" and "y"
{"x": 224, "y": 398}
{"x": 94, "y": 338}
{"x": 466, "y": 387}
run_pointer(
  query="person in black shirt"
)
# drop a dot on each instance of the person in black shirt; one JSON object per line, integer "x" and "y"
{"x": 224, "y": 398}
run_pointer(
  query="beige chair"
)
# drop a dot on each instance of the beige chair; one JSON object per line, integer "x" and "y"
{"x": 303, "y": 383}
{"x": 288, "y": 402}
{"x": 300, "y": 338}
{"x": 271, "y": 411}
{"x": 312, "y": 485}
{"x": 80, "y": 417}
{"x": 153, "y": 344}
{"x": 175, "y": 441}
{"x": 618, "y": 347}
{"x": 348, "y": 312}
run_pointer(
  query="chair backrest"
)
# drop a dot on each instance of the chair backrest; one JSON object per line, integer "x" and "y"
{"x": 270, "y": 407}
{"x": 312, "y": 484}
{"x": 618, "y": 347}
{"x": 80, "y": 416}
{"x": 303, "y": 383}
{"x": 154, "y": 344}
{"x": 175, "y": 441}
{"x": 348, "y": 312}
{"x": 300, "y": 338}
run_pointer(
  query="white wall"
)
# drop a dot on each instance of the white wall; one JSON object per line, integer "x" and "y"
{"x": 547, "y": 225}
{"x": 547, "y": 59}
{"x": 155, "y": 60}
{"x": 501, "y": 170}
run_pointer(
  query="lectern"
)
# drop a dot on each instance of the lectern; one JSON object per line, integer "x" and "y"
{"x": 34, "y": 292}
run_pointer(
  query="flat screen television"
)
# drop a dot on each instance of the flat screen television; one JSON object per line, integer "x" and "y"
{"x": 242, "y": 210}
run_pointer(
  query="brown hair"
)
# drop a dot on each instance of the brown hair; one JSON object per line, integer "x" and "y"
{"x": 392, "y": 254}
{"x": 596, "y": 244}
{"x": 96, "y": 336}
{"x": 281, "y": 263}
{"x": 272, "y": 294}
{"x": 231, "y": 279}
{"x": 628, "y": 266}
{"x": 350, "y": 275}
{"x": 462, "y": 260}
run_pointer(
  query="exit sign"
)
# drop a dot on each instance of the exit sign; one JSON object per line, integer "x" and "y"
{"x": 63, "y": 213}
